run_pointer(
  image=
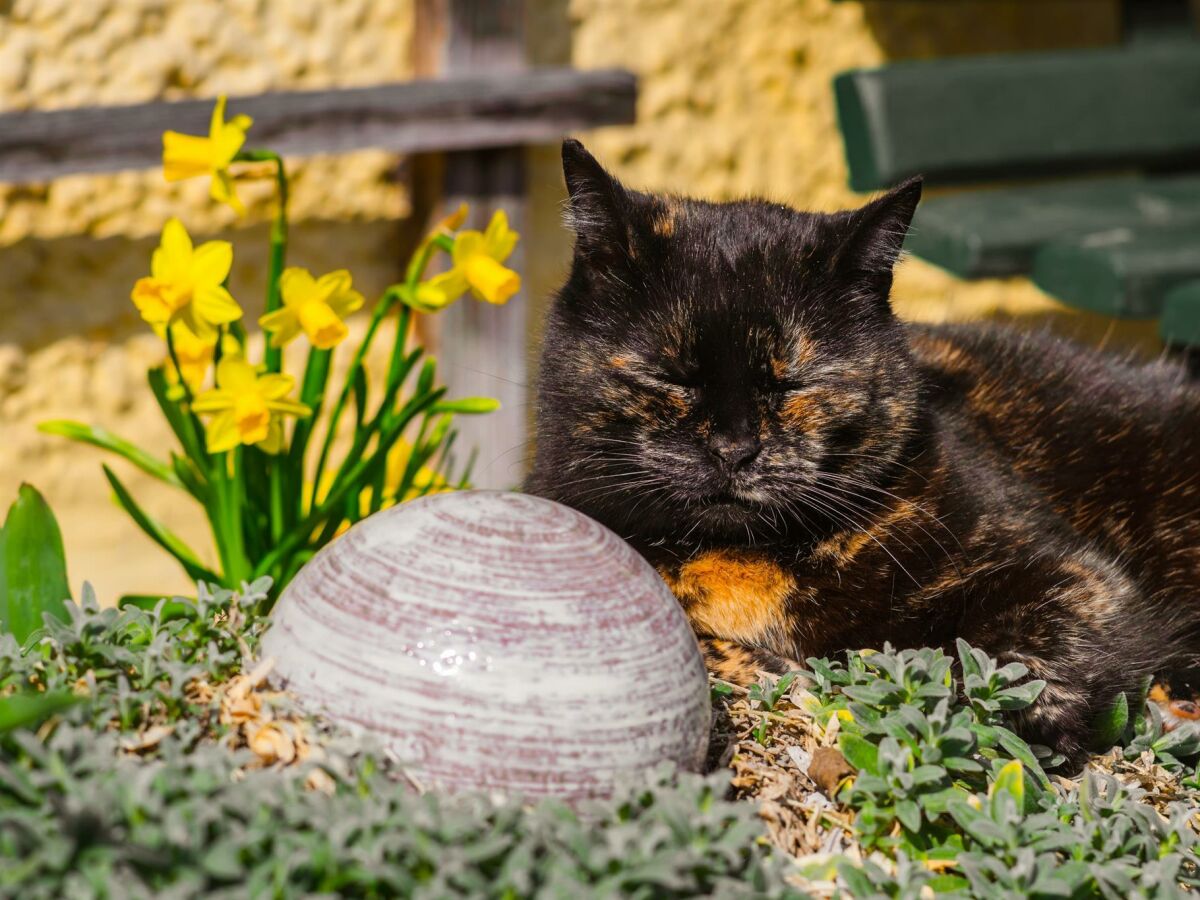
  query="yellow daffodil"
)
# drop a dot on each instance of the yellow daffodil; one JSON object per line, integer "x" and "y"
{"x": 185, "y": 285}
{"x": 444, "y": 228}
{"x": 247, "y": 408}
{"x": 189, "y": 155}
{"x": 314, "y": 306}
{"x": 478, "y": 258}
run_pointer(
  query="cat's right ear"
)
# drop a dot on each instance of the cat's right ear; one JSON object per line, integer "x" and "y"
{"x": 596, "y": 204}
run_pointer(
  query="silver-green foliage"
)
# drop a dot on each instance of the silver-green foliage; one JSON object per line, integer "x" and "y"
{"x": 81, "y": 822}
{"x": 79, "y": 819}
{"x": 133, "y": 664}
{"x": 944, "y": 784}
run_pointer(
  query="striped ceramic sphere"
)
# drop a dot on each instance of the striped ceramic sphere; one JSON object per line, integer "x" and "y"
{"x": 496, "y": 640}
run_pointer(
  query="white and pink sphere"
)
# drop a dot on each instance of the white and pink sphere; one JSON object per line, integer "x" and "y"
{"x": 496, "y": 641}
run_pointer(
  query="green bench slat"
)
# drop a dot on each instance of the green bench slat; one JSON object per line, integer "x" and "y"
{"x": 1122, "y": 272}
{"x": 1021, "y": 114}
{"x": 991, "y": 233}
{"x": 1180, "y": 322}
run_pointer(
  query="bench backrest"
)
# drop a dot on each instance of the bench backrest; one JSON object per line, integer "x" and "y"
{"x": 977, "y": 118}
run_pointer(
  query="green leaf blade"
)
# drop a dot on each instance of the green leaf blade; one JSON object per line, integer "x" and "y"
{"x": 1111, "y": 723}
{"x": 106, "y": 440}
{"x": 28, "y": 709}
{"x": 159, "y": 533}
{"x": 859, "y": 752}
{"x": 35, "y": 566}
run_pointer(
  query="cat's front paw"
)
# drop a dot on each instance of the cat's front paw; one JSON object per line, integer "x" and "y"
{"x": 742, "y": 665}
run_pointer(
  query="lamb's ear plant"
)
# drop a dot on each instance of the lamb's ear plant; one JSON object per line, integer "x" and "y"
{"x": 1169, "y": 748}
{"x": 947, "y": 799}
{"x": 921, "y": 741}
{"x": 261, "y": 450}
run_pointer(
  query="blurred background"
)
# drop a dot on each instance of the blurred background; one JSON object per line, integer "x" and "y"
{"x": 733, "y": 98}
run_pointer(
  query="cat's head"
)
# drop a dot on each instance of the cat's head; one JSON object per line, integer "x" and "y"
{"x": 721, "y": 369}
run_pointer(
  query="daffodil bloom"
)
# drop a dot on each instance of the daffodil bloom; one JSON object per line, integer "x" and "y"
{"x": 315, "y": 306}
{"x": 477, "y": 258}
{"x": 247, "y": 408}
{"x": 189, "y": 155}
{"x": 186, "y": 285}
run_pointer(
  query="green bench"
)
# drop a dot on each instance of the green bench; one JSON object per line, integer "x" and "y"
{"x": 1106, "y": 143}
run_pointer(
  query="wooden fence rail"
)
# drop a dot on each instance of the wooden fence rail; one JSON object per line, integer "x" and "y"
{"x": 465, "y": 112}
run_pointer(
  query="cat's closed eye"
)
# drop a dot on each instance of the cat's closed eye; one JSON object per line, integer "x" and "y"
{"x": 688, "y": 378}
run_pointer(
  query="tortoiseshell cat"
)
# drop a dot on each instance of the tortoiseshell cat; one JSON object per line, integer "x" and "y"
{"x": 725, "y": 385}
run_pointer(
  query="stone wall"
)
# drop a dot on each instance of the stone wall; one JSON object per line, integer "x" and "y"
{"x": 735, "y": 100}
{"x": 71, "y": 344}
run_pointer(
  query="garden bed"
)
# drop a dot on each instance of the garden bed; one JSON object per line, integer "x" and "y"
{"x": 178, "y": 770}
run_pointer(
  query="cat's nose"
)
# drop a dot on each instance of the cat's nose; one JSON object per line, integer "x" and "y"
{"x": 735, "y": 453}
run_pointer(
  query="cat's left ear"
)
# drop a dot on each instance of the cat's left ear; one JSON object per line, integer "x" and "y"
{"x": 874, "y": 234}
{"x": 597, "y": 205}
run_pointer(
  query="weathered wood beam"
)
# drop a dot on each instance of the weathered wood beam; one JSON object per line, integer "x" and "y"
{"x": 466, "y": 112}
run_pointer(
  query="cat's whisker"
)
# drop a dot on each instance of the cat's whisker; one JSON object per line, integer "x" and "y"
{"x": 874, "y": 457}
{"x": 913, "y": 505}
{"x": 867, "y": 531}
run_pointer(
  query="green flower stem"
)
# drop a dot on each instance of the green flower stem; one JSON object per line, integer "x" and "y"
{"x": 412, "y": 464}
{"x": 385, "y": 303}
{"x": 278, "y": 512}
{"x": 218, "y": 519}
{"x": 382, "y": 419}
{"x": 279, "y": 237}
{"x": 297, "y": 536}
{"x": 226, "y": 528}
{"x": 239, "y": 564}
{"x": 398, "y": 365}
{"x": 224, "y": 506}
{"x": 199, "y": 456}
{"x": 312, "y": 395}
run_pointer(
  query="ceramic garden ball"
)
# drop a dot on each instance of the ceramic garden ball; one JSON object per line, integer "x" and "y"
{"x": 498, "y": 641}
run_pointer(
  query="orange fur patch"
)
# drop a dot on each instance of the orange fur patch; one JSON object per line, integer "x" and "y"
{"x": 735, "y": 595}
{"x": 942, "y": 352}
{"x": 803, "y": 411}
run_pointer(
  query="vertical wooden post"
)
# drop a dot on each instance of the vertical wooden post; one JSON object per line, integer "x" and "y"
{"x": 482, "y": 349}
